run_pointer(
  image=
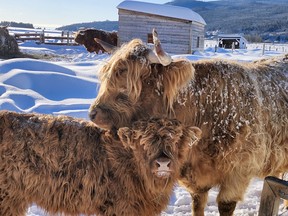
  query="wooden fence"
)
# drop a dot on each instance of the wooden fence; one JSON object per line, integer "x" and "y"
{"x": 42, "y": 37}
{"x": 273, "y": 190}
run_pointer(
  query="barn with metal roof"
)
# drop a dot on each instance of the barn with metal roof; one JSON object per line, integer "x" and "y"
{"x": 180, "y": 29}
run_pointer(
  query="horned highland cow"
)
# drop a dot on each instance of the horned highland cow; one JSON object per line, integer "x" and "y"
{"x": 241, "y": 108}
{"x": 86, "y": 37}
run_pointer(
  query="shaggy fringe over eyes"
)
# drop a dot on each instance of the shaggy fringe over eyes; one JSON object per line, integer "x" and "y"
{"x": 129, "y": 58}
{"x": 175, "y": 77}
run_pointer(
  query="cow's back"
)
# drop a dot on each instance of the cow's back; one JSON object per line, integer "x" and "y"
{"x": 239, "y": 106}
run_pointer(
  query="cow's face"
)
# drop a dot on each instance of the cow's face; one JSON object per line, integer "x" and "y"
{"x": 4, "y": 30}
{"x": 122, "y": 80}
{"x": 86, "y": 38}
{"x": 160, "y": 146}
{"x": 80, "y": 37}
{"x": 132, "y": 87}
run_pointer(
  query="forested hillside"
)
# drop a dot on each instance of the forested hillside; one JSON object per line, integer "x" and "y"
{"x": 16, "y": 24}
{"x": 266, "y": 18}
{"x": 105, "y": 25}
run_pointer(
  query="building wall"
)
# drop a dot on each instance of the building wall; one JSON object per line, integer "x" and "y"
{"x": 198, "y": 33}
{"x": 177, "y": 36}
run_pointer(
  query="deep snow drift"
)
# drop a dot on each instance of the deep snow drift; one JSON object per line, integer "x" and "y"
{"x": 66, "y": 83}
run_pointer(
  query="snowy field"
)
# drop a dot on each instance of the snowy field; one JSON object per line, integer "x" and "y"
{"x": 65, "y": 82}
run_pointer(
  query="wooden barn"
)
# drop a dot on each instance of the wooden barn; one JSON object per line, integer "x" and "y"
{"x": 226, "y": 41}
{"x": 180, "y": 29}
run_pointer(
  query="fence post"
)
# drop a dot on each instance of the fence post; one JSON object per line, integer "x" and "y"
{"x": 273, "y": 190}
{"x": 42, "y": 37}
{"x": 62, "y": 35}
{"x": 67, "y": 37}
{"x": 263, "y": 50}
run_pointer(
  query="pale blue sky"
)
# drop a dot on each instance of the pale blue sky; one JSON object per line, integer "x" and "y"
{"x": 56, "y": 13}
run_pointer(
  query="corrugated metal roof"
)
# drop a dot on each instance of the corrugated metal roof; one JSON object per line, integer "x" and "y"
{"x": 162, "y": 10}
{"x": 230, "y": 35}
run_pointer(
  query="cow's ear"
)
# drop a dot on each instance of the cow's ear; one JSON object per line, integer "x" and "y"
{"x": 125, "y": 135}
{"x": 192, "y": 135}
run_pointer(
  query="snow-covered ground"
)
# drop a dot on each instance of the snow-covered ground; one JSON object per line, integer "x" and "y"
{"x": 65, "y": 82}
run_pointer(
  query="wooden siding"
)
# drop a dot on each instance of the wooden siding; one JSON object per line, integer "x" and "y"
{"x": 197, "y": 31}
{"x": 175, "y": 34}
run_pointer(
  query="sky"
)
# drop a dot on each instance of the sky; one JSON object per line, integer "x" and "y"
{"x": 55, "y": 13}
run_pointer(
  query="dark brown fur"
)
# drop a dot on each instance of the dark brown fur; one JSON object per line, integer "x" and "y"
{"x": 8, "y": 44}
{"x": 69, "y": 166}
{"x": 86, "y": 38}
{"x": 242, "y": 109}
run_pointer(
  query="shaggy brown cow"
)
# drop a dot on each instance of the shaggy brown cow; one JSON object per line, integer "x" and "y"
{"x": 86, "y": 37}
{"x": 70, "y": 166}
{"x": 8, "y": 44}
{"x": 241, "y": 108}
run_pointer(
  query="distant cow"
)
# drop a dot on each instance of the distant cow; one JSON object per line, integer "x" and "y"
{"x": 241, "y": 108}
{"x": 8, "y": 44}
{"x": 67, "y": 165}
{"x": 86, "y": 37}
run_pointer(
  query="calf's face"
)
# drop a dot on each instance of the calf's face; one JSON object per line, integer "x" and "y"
{"x": 160, "y": 146}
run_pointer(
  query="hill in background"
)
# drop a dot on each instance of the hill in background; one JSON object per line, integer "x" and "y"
{"x": 258, "y": 20}
{"x": 104, "y": 25}
{"x": 16, "y": 24}
{"x": 265, "y": 18}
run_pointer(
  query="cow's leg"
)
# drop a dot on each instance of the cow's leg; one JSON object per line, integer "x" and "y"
{"x": 226, "y": 208}
{"x": 231, "y": 191}
{"x": 199, "y": 200}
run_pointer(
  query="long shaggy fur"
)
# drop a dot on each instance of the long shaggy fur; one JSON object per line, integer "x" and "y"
{"x": 241, "y": 108}
{"x": 69, "y": 166}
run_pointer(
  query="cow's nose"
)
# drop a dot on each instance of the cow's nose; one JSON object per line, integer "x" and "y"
{"x": 163, "y": 163}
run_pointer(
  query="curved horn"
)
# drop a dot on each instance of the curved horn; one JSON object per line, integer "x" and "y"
{"x": 106, "y": 46}
{"x": 163, "y": 57}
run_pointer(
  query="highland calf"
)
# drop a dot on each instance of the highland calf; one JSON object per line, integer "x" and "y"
{"x": 241, "y": 108}
{"x": 70, "y": 166}
{"x": 87, "y": 36}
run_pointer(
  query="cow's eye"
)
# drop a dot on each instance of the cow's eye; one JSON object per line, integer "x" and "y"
{"x": 149, "y": 82}
{"x": 122, "y": 97}
{"x": 120, "y": 72}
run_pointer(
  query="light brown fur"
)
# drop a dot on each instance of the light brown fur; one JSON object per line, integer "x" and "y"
{"x": 242, "y": 109}
{"x": 70, "y": 166}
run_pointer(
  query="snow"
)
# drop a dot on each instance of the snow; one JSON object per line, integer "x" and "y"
{"x": 65, "y": 81}
{"x": 162, "y": 10}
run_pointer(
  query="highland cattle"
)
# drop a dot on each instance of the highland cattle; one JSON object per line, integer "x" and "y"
{"x": 87, "y": 38}
{"x": 241, "y": 108}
